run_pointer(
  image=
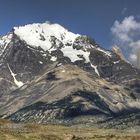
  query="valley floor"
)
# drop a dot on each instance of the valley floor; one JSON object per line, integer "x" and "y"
{"x": 14, "y": 131}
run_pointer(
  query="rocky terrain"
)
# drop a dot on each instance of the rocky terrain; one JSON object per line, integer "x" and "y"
{"x": 51, "y": 75}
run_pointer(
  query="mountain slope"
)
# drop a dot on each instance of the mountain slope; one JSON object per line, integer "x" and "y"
{"x": 49, "y": 74}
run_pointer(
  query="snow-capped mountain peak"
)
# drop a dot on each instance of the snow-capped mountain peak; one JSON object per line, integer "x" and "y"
{"x": 39, "y": 34}
{"x": 52, "y": 37}
{"x": 43, "y": 35}
{"x": 43, "y": 66}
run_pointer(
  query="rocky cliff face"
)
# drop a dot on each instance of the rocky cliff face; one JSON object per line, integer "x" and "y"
{"x": 49, "y": 74}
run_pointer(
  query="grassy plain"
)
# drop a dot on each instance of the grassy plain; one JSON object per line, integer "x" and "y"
{"x": 19, "y": 131}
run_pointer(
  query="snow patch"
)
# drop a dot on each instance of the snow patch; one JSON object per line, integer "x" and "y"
{"x": 95, "y": 68}
{"x": 18, "y": 83}
{"x": 4, "y": 41}
{"x": 40, "y": 62}
{"x": 53, "y": 58}
{"x": 105, "y": 52}
{"x": 74, "y": 54}
{"x": 116, "y": 62}
{"x": 59, "y": 64}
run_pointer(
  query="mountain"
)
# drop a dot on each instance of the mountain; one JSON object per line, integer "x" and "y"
{"x": 49, "y": 74}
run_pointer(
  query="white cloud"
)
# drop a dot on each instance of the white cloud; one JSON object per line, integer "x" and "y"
{"x": 133, "y": 58}
{"x": 124, "y": 10}
{"x": 126, "y": 34}
{"x": 135, "y": 44}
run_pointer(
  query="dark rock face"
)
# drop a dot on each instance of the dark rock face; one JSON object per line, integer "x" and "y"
{"x": 64, "y": 109}
{"x": 46, "y": 85}
{"x": 22, "y": 58}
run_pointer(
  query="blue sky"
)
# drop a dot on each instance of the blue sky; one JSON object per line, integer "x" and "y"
{"x": 91, "y": 17}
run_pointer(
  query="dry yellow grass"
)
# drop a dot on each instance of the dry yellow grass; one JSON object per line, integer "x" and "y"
{"x": 12, "y": 131}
